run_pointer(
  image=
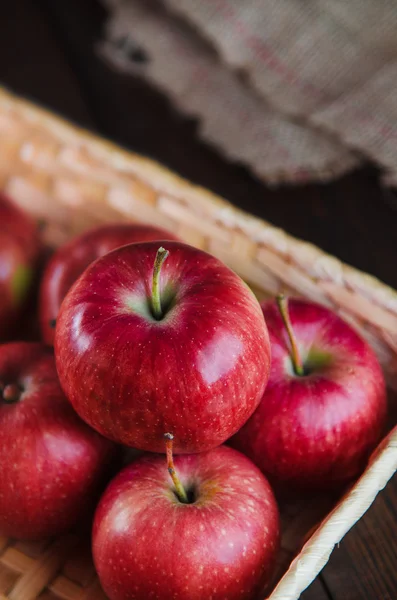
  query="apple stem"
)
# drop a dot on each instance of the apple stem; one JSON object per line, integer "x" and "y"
{"x": 156, "y": 300}
{"x": 282, "y": 303}
{"x": 10, "y": 393}
{"x": 179, "y": 489}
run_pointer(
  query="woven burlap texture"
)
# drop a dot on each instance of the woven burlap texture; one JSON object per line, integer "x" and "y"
{"x": 296, "y": 90}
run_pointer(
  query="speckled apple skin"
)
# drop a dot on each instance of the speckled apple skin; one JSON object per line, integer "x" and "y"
{"x": 51, "y": 463}
{"x": 19, "y": 251}
{"x": 316, "y": 431}
{"x": 70, "y": 260}
{"x": 198, "y": 373}
{"x": 146, "y": 544}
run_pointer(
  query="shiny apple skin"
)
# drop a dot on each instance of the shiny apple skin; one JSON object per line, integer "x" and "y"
{"x": 147, "y": 544}
{"x": 70, "y": 260}
{"x": 198, "y": 373}
{"x": 316, "y": 431}
{"x": 19, "y": 251}
{"x": 51, "y": 463}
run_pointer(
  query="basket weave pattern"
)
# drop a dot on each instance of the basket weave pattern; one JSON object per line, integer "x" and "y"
{"x": 62, "y": 568}
{"x": 71, "y": 180}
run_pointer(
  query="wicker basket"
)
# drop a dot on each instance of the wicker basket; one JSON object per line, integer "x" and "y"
{"x": 71, "y": 180}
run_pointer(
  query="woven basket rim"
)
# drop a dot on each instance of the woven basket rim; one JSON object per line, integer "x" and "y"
{"x": 315, "y": 553}
{"x": 121, "y": 157}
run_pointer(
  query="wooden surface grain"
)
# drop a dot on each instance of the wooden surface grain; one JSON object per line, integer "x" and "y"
{"x": 48, "y": 53}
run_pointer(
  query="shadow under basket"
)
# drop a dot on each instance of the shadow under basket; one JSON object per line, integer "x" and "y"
{"x": 72, "y": 180}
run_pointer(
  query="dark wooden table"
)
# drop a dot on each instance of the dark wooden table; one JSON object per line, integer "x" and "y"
{"x": 47, "y": 52}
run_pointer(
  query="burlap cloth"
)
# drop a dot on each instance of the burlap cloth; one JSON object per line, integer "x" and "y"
{"x": 297, "y": 90}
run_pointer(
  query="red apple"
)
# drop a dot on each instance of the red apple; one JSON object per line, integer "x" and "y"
{"x": 69, "y": 262}
{"x": 148, "y": 542}
{"x": 141, "y": 351}
{"x": 51, "y": 463}
{"x": 325, "y": 404}
{"x": 19, "y": 250}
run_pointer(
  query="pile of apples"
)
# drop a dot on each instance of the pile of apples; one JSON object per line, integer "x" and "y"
{"x": 152, "y": 344}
